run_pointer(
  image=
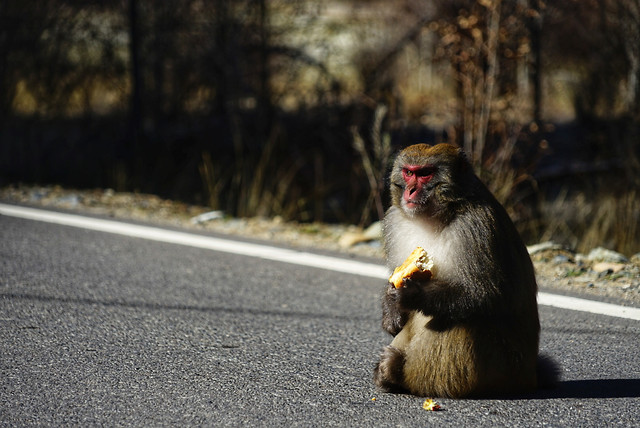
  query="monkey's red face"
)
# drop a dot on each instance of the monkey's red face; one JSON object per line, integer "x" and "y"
{"x": 424, "y": 180}
{"x": 416, "y": 178}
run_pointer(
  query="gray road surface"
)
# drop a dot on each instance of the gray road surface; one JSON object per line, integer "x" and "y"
{"x": 98, "y": 329}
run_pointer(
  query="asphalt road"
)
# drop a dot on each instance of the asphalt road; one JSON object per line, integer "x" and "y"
{"x": 100, "y": 329}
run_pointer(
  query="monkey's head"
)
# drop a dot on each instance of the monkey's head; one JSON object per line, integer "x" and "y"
{"x": 425, "y": 180}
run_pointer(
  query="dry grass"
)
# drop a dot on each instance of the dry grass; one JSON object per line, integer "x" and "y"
{"x": 374, "y": 164}
{"x": 584, "y": 221}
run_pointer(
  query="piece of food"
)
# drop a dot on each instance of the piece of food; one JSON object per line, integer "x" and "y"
{"x": 417, "y": 266}
{"x": 430, "y": 405}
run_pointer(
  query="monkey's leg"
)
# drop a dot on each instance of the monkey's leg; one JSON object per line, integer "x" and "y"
{"x": 389, "y": 373}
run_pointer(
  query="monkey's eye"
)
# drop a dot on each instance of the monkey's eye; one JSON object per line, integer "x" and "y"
{"x": 427, "y": 171}
{"x": 418, "y": 171}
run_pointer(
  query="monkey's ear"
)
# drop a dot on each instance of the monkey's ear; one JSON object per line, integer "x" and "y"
{"x": 464, "y": 160}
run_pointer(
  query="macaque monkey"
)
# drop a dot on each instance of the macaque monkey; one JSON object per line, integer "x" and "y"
{"x": 472, "y": 329}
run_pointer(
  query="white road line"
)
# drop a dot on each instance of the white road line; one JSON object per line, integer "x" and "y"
{"x": 592, "y": 306}
{"x": 267, "y": 252}
{"x": 193, "y": 240}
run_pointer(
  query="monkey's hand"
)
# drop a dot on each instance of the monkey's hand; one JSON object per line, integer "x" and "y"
{"x": 393, "y": 316}
{"x": 443, "y": 300}
{"x": 411, "y": 295}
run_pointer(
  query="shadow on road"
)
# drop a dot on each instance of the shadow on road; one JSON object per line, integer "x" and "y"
{"x": 592, "y": 388}
{"x": 182, "y": 307}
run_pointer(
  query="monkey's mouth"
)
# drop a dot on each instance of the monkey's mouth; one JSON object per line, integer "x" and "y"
{"x": 412, "y": 204}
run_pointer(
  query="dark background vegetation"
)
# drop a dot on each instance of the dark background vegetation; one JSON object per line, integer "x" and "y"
{"x": 294, "y": 108}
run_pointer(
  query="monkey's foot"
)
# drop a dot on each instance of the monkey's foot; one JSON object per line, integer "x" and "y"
{"x": 388, "y": 374}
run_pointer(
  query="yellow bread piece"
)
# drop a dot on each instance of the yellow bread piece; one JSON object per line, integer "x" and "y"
{"x": 417, "y": 266}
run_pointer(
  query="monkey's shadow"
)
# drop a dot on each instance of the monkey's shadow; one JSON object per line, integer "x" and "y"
{"x": 592, "y": 388}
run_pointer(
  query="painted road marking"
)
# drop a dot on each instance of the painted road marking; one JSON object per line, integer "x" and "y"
{"x": 268, "y": 252}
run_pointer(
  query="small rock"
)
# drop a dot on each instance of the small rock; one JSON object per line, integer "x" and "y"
{"x": 543, "y": 246}
{"x": 71, "y": 200}
{"x": 208, "y": 216}
{"x": 561, "y": 258}
{"x": 607, "y": 267}
{"x": 581, "y": 259}
{"x": 603, "y": 255}
{"x": 36, "y": 195}
{"x": 372, "y": 233}
{"x": 349, "y": 239}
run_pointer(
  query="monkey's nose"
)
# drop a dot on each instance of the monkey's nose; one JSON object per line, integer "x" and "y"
{"x": 409, "y": 192}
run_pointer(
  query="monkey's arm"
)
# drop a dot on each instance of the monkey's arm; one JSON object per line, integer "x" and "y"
{"x": 449, "y": 301}
{"x": 393, "y": 316}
